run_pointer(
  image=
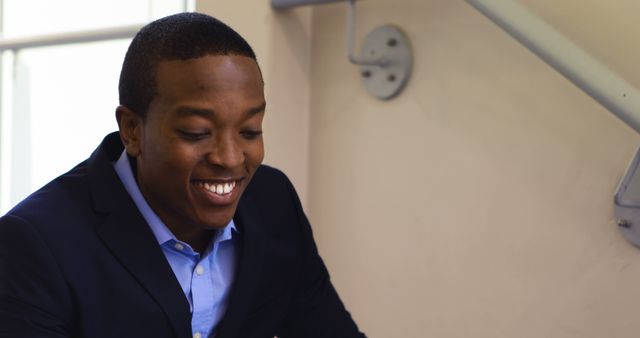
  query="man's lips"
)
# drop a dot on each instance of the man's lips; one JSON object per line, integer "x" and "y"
{"x": 220, "y": 192}
{"x": 219, "y": 188}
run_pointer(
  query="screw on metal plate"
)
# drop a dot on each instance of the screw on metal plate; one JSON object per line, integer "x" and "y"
{"x": 623, "y": 223}
{"x": 392, "y": 69}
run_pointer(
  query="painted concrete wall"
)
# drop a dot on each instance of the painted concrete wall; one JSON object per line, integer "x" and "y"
{"x": 476, "y": 204}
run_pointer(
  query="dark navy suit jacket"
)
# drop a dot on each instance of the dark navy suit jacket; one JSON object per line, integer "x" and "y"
{"x": 78, "y": 260}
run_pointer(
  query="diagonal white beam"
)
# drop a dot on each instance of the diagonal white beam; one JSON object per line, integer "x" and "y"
{"x": 594, "y": 78}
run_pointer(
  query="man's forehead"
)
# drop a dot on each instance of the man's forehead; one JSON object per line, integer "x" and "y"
{"x": 202, "y": 86}
{"x": 210, "y": 70}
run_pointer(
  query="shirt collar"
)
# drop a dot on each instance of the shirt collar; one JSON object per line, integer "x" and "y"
{"x": 159, "y": 229}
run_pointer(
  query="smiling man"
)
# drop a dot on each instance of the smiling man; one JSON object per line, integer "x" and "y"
{"x": 172, "y": 228}
{"x": 199, "y": 142}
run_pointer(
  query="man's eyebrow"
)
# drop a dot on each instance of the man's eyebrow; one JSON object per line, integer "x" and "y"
{"x": 189, "y": 111}
{"x": 257, "y": 110}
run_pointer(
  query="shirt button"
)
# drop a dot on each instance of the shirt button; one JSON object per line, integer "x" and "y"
{"x": 199, "y": 270}
{"x": 197, "y": 335}
{"x": 179, "y": 246}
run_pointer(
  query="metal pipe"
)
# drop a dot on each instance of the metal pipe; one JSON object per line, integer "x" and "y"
{"x": 595, "y": 79}
{"x": 70, "y": 37}
{"x": 351, "y": 23}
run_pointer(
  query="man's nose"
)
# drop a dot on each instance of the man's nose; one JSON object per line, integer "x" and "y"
{"x": 226, "y": 152}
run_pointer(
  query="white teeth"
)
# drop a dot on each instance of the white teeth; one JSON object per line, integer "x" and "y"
{"x": 220, "y": 189}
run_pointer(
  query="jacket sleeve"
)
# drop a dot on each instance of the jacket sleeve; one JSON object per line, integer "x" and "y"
{"x": 34, "y": 299}
{"x": 316, "y": 309}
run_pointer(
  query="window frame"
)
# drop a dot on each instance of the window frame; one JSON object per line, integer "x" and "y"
{"x": 9, "y": 48}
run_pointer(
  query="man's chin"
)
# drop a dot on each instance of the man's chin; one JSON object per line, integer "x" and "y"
{"x": 214, "y": 221}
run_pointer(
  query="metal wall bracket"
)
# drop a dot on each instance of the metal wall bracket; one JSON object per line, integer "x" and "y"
{"x": 390, "y": 44}
{"x": 627, "y": 202}
{"x": 386, "y": 59}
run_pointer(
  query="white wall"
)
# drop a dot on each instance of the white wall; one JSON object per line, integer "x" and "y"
{"x": 476, "y": 204}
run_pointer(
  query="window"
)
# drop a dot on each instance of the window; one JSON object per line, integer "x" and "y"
{"x": 59, "y": 80}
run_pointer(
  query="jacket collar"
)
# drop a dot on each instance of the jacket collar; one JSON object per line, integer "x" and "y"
{"x": 128, "y": 237}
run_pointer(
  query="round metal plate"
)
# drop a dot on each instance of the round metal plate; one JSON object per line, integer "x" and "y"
{"x": 391, "y": 44}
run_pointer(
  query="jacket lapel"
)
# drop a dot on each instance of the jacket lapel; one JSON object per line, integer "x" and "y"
{"x": 250, "y": 250}
{"x": 129, "y": 238}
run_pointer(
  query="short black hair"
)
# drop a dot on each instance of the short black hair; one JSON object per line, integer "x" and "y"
{"x": 181, "y": 36}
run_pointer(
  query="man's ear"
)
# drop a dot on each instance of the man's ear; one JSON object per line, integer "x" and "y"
{"x": 130, "y": 125}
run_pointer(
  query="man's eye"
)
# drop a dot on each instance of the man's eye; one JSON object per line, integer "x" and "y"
{"x": 192, "y": 136}
{"x": 251, "y": 134}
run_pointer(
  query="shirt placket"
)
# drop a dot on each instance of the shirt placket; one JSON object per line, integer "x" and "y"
{"x": 202, "y": 296}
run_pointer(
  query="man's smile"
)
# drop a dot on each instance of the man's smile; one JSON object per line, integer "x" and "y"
{"x": 219, "y": 192}
{"x": 219, "y": 188}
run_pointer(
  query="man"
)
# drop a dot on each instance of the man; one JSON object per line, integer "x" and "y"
{"x": 172, "y": 228}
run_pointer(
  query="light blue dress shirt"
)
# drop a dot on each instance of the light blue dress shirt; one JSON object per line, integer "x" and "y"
{"x": 205, "y": 278}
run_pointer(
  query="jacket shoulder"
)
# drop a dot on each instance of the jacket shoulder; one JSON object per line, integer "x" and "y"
{"x": 69, "y": 190}
{"x": 271, "y": 184}
{"x": 267, "y": 174}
